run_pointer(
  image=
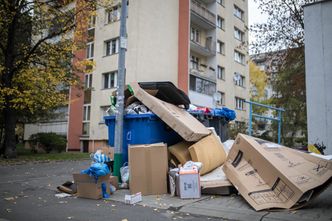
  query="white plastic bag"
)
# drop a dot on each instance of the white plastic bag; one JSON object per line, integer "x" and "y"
{"x": 124, "y": 171}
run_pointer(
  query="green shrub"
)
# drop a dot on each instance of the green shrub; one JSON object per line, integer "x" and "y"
{"x": 48, "y": 142}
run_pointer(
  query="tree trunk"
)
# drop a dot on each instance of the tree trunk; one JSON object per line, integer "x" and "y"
{"x": 10, "y": 141}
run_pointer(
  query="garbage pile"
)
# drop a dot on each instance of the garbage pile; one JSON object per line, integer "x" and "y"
{"x": 183, "y": 157}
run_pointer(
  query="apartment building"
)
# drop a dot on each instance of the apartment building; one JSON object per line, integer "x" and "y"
{"x": 199, "y": 45}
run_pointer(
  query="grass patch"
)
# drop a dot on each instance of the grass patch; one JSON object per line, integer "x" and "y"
{"x": 25, "y": 155}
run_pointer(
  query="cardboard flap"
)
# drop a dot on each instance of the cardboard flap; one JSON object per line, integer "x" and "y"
{"x": 187, "y": 126}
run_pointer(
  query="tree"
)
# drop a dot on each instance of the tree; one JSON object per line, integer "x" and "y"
{"x": 284, "y": 30}
{"x": 258, "y": 81}
{"x": 36, "y": 53}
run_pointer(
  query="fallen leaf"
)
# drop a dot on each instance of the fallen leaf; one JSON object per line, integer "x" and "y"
{"x": 124, "y": 220}
{"x": 187, "y": 214}
{"x": 113, "y": 205}
{"x": 9, "y": 198}
{"x": 98, "y": 204}
{"x": 9, "y": 210}
{"x": 69, "y": 217}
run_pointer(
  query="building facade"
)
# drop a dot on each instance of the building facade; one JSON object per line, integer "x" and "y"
{"x": 199, "y": 45}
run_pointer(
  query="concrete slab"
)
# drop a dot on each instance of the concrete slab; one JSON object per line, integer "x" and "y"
{"x": 226, "y": 207}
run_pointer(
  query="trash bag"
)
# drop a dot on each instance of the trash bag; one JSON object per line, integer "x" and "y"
{"x": 96, "y": 170}
{"x": 99, "y": 157}
{"x": 137, "y": 108}
{"x": 124, "y": 171}
{"x": 224, "y": 112}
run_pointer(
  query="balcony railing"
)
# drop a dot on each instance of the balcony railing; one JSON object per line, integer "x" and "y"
{"x": 209, "y": 49}
{"x": 206, "y": 73}
{"x": 203, "y": 13}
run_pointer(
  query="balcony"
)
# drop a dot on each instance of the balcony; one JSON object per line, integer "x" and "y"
{"x": 201, "y": 16}
{"x": 207, "y": 50}
{"x": 205, "y": 73}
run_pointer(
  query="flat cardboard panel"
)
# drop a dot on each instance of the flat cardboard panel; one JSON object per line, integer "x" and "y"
{"x": 188, "y": 127}
{"x": 114, "y": 181}
{"x": 209, "y": 151}
{"x": 180, "y": 151}
{"x": 269, "y": 175}
{"x": 88, "y": 188}
{"x": 148, "y": 166}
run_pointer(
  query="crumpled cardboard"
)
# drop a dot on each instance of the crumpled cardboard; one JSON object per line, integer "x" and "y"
{"x": 269, "y": 175}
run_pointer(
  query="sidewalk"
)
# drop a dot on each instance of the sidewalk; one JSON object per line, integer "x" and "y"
{"x": 46, "y": 176}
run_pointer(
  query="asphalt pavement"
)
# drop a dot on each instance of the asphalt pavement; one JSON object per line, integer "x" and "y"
{"x": 27, "y": 192}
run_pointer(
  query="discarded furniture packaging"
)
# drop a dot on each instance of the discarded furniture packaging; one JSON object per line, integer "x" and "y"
{"x": 209, "y": 151}
{"x": 189, "y": 185}
{"x": 216, "y": 183}
{"x": 88, "y": 187}
{"x": 188, "y": 127}
{"x": 134, "y": 198}
{"x": 180, "y": 151}
{"x": 269, "y": 175}
{"x": 148, "y": 166}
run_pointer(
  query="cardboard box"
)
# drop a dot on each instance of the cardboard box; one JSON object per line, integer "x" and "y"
{"x": 148, "y": 166}
{"x": 114, "y": 181}
{"x": 187, "y": 126}
{"x": 269, "y": 175}
{"x": 189, "y": 186}
{"x": 88, "y": 188}
{"x": 209, "y": 151}
{"x": 180, "y": 151}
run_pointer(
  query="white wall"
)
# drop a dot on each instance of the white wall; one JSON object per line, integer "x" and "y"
{"x": 318, "y": 59}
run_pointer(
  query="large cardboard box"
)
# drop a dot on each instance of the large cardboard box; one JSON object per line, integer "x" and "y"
{"x": 148, "y": 166}
{"x": 269, "y": 175}
{"x": 209, "y": 151}
{"x": 87, "y": 187}
{"x": 188, "y": 127}
{"x": 180, "y": 151}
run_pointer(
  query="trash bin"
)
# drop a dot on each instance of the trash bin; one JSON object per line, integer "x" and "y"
{"x": 213, "y": 120}
{"x": 141, "y": 129}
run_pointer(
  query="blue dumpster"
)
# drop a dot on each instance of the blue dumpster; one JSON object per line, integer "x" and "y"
{"x": 141, "y": 129}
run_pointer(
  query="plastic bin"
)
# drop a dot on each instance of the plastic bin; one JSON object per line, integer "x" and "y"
{"x": 219, "y": 123}
{"x": 141, "y": 129}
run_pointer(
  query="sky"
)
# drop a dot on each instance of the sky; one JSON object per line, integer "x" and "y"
{"x": 255, "y": 16}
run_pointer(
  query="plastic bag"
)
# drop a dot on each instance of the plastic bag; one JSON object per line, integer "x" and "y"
{"x": 99, "y": 157}
{"x": 97, "y": 170}
{"x": 124, "y": 171}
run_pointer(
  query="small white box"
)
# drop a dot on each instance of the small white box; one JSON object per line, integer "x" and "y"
{"x": 134, "y": 198}
{"x": 189, "y": 186}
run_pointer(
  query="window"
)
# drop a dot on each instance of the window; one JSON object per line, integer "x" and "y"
{"x": 239, "y": 103}
{"x": 221, "y": 73}
{"x": 88, "y": 81}
{"x": 113, "y": 15}
{"x": 86, "y": 113}
{"x": 222, "y": 98}
{"x": 238, "y": 34}
{"x": 239, "y": 57}
{"x": 238, "y": 12}
{"x": 194, "y": 62}
{"x": 89, "y": 50}
{"x": 220, "y": 23}
{"x": 92, "y": 22}
{"x": 221, "y": 2}
{"x": 104, "y": 112}
{"x": 202, "y": 86}
{"x": 220, "y": 47}
{"x": 112, "y": 46}
{"x": 239, "y": 79}
{"x": 195, "y": 35}
{"x": 110, "y": 80}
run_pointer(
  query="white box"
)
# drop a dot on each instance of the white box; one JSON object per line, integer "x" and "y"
{"x": 134, "y": 198}
{"x": 189, "y": 186}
